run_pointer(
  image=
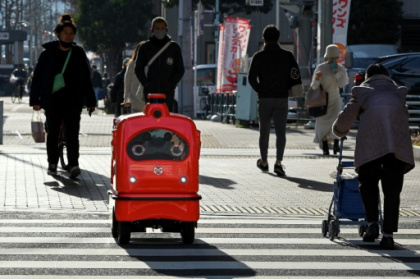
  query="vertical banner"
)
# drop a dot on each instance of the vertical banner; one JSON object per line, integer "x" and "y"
{"x": 341, "y": 12}
{"x": 233, "y": 44}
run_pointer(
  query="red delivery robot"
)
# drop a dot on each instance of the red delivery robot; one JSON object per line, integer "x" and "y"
{"x": 154, "y": 172}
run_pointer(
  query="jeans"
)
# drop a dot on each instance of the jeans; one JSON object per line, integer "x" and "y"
{"x": 389, "y": 170}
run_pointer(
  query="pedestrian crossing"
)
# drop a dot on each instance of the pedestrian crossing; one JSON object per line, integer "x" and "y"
{"x": 80, "y": 245}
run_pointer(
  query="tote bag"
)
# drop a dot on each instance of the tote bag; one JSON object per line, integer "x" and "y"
{"x": 319, "y": 111}
{"x": 316, "y": 97}
{"x": 37, "y": 127}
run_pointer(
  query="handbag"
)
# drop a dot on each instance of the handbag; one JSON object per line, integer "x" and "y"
{"x": 140, "y": 90}
{"x": 319, "y": 111}
{"x": 59, "y": 78}
{"x": 316, "y": 97}
{"x": 37, "y": 127}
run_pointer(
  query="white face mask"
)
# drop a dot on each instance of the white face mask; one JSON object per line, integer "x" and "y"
{"x": 159, "y": 34}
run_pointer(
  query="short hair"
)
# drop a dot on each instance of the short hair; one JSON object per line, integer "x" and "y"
{"x": 376, "y": 69}
{"x": 159, "y": 19}
{"x": 271, "y": 33}
{"x": 64, "y": 21}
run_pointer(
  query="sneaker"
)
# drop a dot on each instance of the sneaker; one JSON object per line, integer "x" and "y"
{"x": 278, "y": 169}
{"x": 74, "y": 171}
{"x": 372, "y": 233}
{"x": 387, "y": 242}
{"x": 52, "y": 169}
{"x": 261, "y": 166}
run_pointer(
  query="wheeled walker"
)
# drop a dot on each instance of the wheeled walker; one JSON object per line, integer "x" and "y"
{"x": 154, "y": 172}
{"x": 346, "y": 207}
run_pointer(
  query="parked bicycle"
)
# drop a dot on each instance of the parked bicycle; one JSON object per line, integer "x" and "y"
{"x": 62, "y": 145}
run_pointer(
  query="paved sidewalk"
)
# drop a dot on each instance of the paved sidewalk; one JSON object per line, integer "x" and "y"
{"x": 229, "y": 179}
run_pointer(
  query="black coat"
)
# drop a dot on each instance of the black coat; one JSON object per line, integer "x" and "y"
{"x": 78, "y": 91}
{"x": 117, "y": 91}
{"x": 165, "y": 72}
{"x": 273, "y": 72}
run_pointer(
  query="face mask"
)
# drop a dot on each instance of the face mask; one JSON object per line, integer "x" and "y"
{"x": 333, "y": 65}
{"x": 65, "y": 44}
{"x": 159, "y": 34}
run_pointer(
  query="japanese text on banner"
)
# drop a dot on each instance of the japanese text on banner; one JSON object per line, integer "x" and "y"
{"x": 341, "y": 12}
{"x": 233, "y": 44}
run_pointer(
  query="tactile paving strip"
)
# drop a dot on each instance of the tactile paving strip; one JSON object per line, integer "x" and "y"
{"x": 284, "y": 210}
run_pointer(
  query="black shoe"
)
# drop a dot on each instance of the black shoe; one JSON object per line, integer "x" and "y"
{"x": 74, "y": 171}
{"x": 325, "y": 148}
{"x": 261, "y": 166}
{"x": 372, "y": 233}
{"x": 387, "y": 242}
{"x": 336, "y": 147}
{"x": 278, "y": 169}
{"x": 52, "y": 169}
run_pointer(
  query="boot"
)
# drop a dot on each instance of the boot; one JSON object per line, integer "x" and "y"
{"x": 325, "y": 148}
{"x": 336, "y": 147}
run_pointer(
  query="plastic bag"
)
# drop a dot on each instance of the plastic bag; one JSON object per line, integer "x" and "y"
{"x": 58, "y": 82}
{"x": 37, "y": 127}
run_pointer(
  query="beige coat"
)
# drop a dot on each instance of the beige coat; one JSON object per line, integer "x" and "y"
{"x": 331, "y": 82}
{"x": 380, "y": 105}
{"x": 131, "y": 86}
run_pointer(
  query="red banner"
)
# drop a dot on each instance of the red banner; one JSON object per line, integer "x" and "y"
{"x": 341, "y": 12}
{"x": 233, "y": 44}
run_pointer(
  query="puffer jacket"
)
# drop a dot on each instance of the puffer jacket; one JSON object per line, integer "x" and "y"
{"x": 78, "y": 90}
{"x": 383, "y": 128}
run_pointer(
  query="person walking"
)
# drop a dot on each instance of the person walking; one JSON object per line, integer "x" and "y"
{"x": 167, "y": 68}
{"x": 273, "y": 72}
{"x": 21, "y": 76}
{"x": 97, "y": 83}
{"x": 117, "y": 91}
{"x": 383, "y": 147}
{"x": 331, "y": 76}
{"x": 133, "y": 98}
{"x": 65, "y": 104}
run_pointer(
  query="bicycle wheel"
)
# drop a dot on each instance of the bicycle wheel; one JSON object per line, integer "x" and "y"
{"x": 20, "y": 96}
{"x": 62, "y": 154}
{"x": 14, "y": 94}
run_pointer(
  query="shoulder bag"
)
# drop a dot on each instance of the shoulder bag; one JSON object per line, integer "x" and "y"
{"x": 146, "y": 69}
{"x": 59, "y": 78}
{"x": 316, "y": 97}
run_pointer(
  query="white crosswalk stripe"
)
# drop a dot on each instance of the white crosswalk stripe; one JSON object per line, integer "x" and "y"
{"x": 51, "y": 247}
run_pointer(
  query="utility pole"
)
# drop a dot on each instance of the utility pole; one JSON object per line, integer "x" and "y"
{"x": 325, "y": 26}
{"x": 185, "y": 89}
{"x": 216, "y": 30}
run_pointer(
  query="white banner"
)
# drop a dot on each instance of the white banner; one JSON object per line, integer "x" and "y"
{"x": 233, "y": 44}
{"x": 341, "y": 12}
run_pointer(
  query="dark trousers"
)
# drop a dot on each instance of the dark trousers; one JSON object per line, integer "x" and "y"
{"x": 389, "y": 170}
{"x": 276, "y": 109}
{"x": 55, "y": 116}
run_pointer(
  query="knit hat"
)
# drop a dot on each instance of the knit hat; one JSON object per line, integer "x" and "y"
{"x": 332, "y": 51}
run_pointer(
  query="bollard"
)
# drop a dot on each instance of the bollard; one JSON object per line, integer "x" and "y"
{"x": 1, "y": 122}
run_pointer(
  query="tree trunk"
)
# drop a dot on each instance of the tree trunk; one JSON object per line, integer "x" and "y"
{"x": 113, "y": 62}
